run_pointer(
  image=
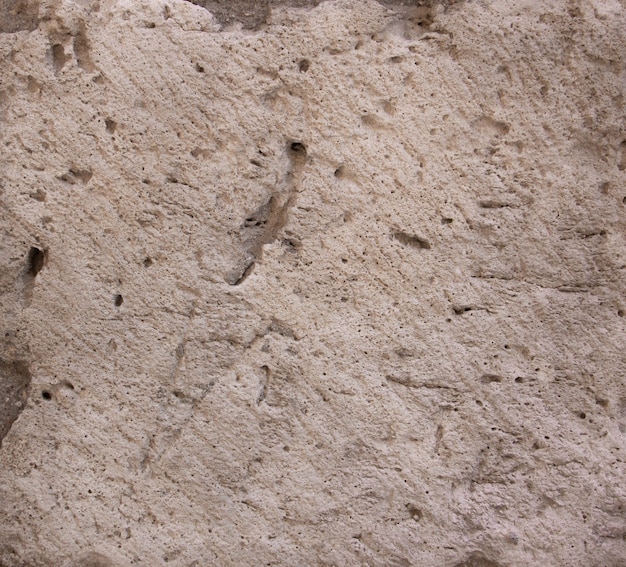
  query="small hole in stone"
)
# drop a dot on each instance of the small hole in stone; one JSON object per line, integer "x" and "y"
{"x": 118, "y": 300}
{"x": 39, "y": 195}
{"x": 414, "y": 512}
{"x": 489, "y": 378}
{"x": 36, "y": 260}
{"x": 446, "y": 220}
{"x": 147, "y": 262}
{"x": 298, "y": 148}
{"x": 582, "y": 415}
{"x": 110, "y": 125}
{"x": 304, "y": 65}
{"x": 199, "y": 68}
{"x": 459, "y": 310}
{"x": 624, "y": 201}
{"x": 620, "y": 313}
{"x": 519, "y": 380}
{"x": 46, "y": 395}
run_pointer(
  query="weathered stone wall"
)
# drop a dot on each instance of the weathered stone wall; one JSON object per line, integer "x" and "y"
{"x": 332, "y": 285}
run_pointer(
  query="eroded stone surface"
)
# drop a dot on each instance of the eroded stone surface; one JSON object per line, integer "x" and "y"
{"x": 18, "y": 15}
{"x": 344, "y": 290}
{"x": 15, "y": 379}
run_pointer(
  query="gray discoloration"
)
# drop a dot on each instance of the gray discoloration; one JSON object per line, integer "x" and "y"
{"x": 252, "y": 14}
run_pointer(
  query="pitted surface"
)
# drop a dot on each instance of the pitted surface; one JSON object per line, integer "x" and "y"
{"x": 321, "y": 285}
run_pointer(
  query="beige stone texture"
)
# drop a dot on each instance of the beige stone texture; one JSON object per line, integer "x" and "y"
{"x": 338, "y": 284}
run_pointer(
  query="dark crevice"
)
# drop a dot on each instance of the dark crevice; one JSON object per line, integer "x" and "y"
{"x": 36, "y": 260}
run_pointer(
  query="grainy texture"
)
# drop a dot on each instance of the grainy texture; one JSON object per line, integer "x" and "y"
{"x": 347, "y": 289}
{"x": 18, "y": 15}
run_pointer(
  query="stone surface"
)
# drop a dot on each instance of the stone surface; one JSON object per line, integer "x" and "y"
{"x": 332, "y": 285}
{"x": 18, "y": 15}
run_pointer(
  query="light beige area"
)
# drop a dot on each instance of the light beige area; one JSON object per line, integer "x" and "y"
{"x": 347, "y": 289}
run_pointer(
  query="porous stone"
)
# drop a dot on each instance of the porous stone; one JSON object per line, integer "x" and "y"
{"x": 312, "y": 283}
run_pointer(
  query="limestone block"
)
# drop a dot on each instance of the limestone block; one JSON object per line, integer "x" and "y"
{"x": 312, "y": 283}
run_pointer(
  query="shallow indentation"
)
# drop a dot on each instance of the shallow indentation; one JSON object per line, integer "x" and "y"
{"x": 414, "y": 511}
{"x": 110, "y": 125}
{"x": 477, "y": 559}
{"x": 621, "y": 156}
{"x": 82, "y": 50}
{"x": 75, "y": 174}
{"x": 460, "y": 309}
{"x": 58, "y": 57}
{"x": 15, "y": 381}
{"x": 488, "y": 378}
{"x": 411, "y": 240}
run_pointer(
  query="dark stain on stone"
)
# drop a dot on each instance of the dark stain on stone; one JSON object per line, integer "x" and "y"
{"x": 252, "y": 14}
